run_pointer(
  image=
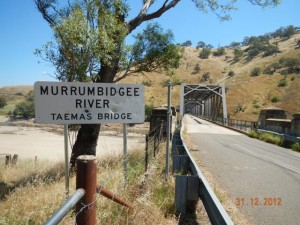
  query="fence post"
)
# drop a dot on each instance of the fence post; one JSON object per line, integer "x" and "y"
{"x": 147, "y": 152}
{"x": 7, "y": 159}
{"x": 86, "y": 179}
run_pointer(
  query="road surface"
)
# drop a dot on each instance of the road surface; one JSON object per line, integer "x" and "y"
{"x": 262, "y": 179}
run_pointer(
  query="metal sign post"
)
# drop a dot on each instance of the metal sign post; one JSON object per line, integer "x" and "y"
{"x": 168, "y": 129}
{"x": 125, "y": 138}
{"x": 67, "y": 176}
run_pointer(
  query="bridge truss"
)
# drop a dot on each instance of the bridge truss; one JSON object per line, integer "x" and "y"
{"x": 203, "y": 99}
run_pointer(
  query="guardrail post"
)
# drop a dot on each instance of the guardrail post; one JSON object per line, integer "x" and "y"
{"x": 86, "y": 179}
{"x": 186, "y": 193}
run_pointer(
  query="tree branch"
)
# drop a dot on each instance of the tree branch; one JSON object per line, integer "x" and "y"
{"x": 143, "y": 16}
{"x": 43, "y": 7}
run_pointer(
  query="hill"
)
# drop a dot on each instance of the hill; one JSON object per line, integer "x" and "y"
{"x": 252, "y": 83}
{"x": 247, "y": 94}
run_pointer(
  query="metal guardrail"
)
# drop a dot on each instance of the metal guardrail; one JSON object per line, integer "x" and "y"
{"x": 285, "y": 137}
{"x": 66, "y": 207}
{"x": 183, "y": 161}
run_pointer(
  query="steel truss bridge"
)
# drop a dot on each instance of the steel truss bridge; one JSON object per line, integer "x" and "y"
{"x": 203, "y": 100}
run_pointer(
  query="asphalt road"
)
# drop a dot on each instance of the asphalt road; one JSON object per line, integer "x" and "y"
{"x": 262, "y": 179}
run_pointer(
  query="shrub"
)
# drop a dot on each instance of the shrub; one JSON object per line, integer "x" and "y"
{"x": 257, "y": 106}
{"x": 282, "y": 83}
{"x": 296, "y": 147}
{"x": 255, "y": 72}
{"x": 175, "y": 81}
{"x": 219, "y": 52}
{"x": 197, "y": 69}
{"x": 271, "y": 138}
{"x": 253, "y": 134}
{"x": 2, "y": 101}
{"x": 205, "y": 53}
{"x": 271, "y": 50}
{"x": 238, "y": 54}
{"x": 148, "y": 111}
{"x": 231, "y": 73}
{"x": 275, "y": 99}
{"x": 293, "y": 78}
{"x": 25, "y": 109}
{"x": 147, "y": 83}
{"x": 205, "y": 77}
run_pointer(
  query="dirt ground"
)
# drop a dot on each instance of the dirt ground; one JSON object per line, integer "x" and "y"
{"x": 30, "y": 142}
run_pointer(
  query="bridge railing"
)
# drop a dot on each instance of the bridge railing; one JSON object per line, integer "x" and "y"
{"x": 242, "y": 125}
{"x": 191, "y": 185}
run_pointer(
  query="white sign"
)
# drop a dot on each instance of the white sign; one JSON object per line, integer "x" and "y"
{"x": 88, "y": 103}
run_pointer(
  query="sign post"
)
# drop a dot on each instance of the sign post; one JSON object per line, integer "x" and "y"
{"x": 89, "y": 103}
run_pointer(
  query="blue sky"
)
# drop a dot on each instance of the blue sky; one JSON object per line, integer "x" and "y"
{"x": 23, "y": 30}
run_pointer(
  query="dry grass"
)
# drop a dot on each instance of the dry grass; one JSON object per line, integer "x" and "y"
{"x": 43, "y": 192}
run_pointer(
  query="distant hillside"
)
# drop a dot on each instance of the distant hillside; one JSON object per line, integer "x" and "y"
{"x": 267, "y": 78}
{"x": 13, "y": 96}
{"x": 247, "y": 92}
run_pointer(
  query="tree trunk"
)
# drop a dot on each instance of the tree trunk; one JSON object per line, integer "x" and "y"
{"x": 87, "y": 137}
{"x": 86, "y": 142}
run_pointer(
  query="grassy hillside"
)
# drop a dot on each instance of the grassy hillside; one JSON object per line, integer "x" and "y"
{"x": 246, "y": 94}
{"x": 13, "y": 96}
{"x": 251, "y": 93}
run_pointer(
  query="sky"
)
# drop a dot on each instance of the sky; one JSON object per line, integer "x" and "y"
{"x": 23, "y": 30}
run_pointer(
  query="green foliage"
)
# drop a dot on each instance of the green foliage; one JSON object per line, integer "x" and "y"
{"x": 285, "y": 32}
{"x": 147, "y": 83}
{"x": 201, "y": 44}
{"x": 282, "y": 83}
{"x": 148, "y": 111}
{"x": 153, "y": 49}
{"x": 271, "y": 138}
{"x": 25, "y": 109}
{"x": 205, "y": 53}
{"x": 240, "y": 107}
{"x": 292, "y": 64}
{"x": 238, "y": 54}
{"x": 3, "y": 101}
{"x": 253, "y": 134}
{"x": 296, "y": 147}
{"x": 219, "y": 52}
{"x": 275, "y": 99}
{"x": 205, "y": 77}
{"x": 175, "y": 81}
{"x": 231, "y": 73}
{"x": 255, "y": 72}
{"x": 271, "y": 69}
{"x": 197, "y": 69}
{"x": 270, "y": 50}
{"x": 87, "y": 36}
{"x": 187, "y": 43}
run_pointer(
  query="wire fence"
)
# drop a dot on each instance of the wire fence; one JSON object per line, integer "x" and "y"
{"x": 153, "y": 140}
{"x": 111, "y": 213}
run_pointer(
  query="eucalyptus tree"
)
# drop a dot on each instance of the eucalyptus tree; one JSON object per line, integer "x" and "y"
{"x": 89, "y": 42}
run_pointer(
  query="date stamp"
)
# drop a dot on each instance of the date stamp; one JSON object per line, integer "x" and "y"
{"x": 256, "y": 201}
